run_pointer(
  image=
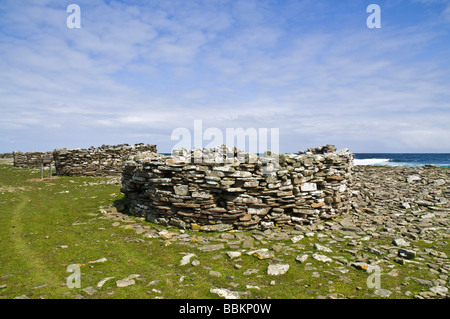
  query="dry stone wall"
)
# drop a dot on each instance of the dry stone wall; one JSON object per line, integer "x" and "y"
{"x": 6, "y": 155}
{"x": 30, "y": 159}
{"x": 106, "y": 160}
{"x": 202, "y": 190}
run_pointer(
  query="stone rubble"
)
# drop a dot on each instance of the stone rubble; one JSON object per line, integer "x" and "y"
{"x": 30, "y": 159}
{"x": 106, "y": 160}
{"x": 390, "y": 218}
{"x": 277, "y": 269}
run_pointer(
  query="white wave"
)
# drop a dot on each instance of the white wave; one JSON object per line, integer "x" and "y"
{"x": 371, "y": 161}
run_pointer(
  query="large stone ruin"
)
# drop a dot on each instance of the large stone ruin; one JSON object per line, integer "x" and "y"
{"x": 30, "y": 159}
{"x": 106, "y": 160}
{"x": 222, "y": 189}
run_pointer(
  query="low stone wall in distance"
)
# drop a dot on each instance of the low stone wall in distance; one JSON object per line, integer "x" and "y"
{"x": 30, "y": 159}
{"x": 106, "y": 160}
{"x": 6, "y": 155}
{"x": 198, "y": 191}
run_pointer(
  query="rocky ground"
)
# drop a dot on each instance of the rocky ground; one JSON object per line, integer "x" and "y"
{"x": 397, "y": 225}
{"x": 399, "y": 221}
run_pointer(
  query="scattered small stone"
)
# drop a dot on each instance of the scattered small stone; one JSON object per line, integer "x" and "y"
{"x": 374, "y": 251}
{"x": 301, "y": 258}
{"x": 224, "y": 293}
{"x": 400, "y": 242}
{"x": 345, "y": 279}
{"x": 440, "y": 290}
{"x": 195, "y": 263}
{"x": 101, "y": 260}
{"x": 424, "y": 282}
{"x": 125, "y": 283}
{"x": 399, "y": 260}
{"x": 233, "y": 284}
{"x": 263, "y": 253}
{"x": 90, "y": 291}
{"x": 362, "y": 266}
{"x": 252, "y": 287}
{"x": 413, "y": 178}
{"x": 393, "y": 273}
{"x": 383, "y": 292}
{"x": 277, "y": 269}
{"x": 215, "y": 273}
{"x": 248, "y": 242}
{"x": 164, "y": 234}
{"x": 250, "y": 271}
{"x": 154, "y": 282}
{"x": 103, "y": 281}
{"x": 140, "y": 230}
{"x": 297, "y": 238}
{"x": 211, "y": 247}
{"x": 186, "y": 259}
{"x": 277, "y": 248}
{"x": 234, "y": 254}
{"x": 406, "y": 253}
{"x": 322, "y": 258}
{"x": 322, "y": 248}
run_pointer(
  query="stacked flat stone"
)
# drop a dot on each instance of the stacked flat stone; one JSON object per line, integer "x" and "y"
{"x": 6, "y": 155}
{"x": 106, "y": 160}
{"x": 221, "y": 189}
{"x": 29, "y": 159}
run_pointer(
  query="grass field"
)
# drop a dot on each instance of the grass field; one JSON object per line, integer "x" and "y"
{"x": 47, "y": 225}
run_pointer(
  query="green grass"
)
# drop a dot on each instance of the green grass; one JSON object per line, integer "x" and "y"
{"x": 37, "y": 217}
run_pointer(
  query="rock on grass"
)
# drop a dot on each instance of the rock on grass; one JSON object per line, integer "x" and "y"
{"x": 224, "y": 293}
{"x": 277, "y": 269}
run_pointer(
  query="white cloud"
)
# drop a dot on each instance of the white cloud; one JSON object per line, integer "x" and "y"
{"x": 139, "y": 72}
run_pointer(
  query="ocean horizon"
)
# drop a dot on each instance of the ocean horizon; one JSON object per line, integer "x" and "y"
{"x": 403, "y": 159}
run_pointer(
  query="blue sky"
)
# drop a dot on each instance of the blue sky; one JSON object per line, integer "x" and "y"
{"x": 136, "y": 70}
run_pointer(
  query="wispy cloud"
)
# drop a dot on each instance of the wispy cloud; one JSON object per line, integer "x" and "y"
{"x": 137, "y": 70}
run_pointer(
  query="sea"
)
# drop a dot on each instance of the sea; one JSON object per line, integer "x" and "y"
{"x": 403, "y": 159}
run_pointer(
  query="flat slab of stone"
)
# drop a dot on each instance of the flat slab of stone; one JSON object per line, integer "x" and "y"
{"x": 125, "y": 283}
{"x": 322, "y": 258}
{"x": 301, "y": 258}
{"x": 225, "y": 293}
{"x": 234, "y": 254}
{"x": 103, "y": 281}
{"x": 211, "y": 247}
{"x": 186, "y": 259}
{"x": 400, "y": 242}
{"x": 262, "y": 253}
{"x": 277, "y": 269}
{"x": 322, "y": 248}
{"x": 383, "y": 292}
